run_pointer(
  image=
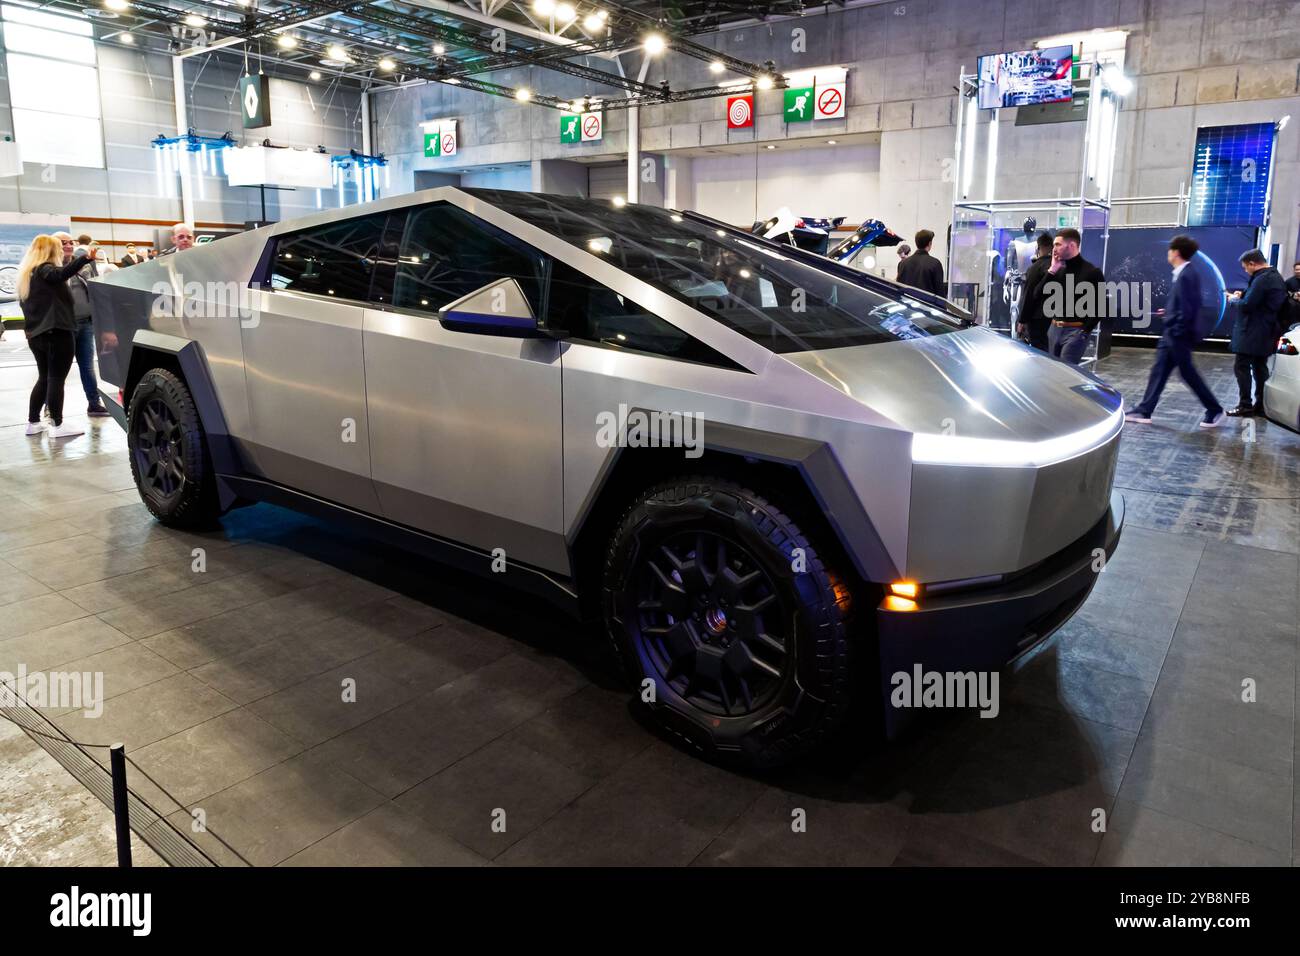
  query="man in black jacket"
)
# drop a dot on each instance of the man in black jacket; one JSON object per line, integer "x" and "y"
{"x": 1032, "y": 325}
{"x": 1175, "y": 348}
{"x": 1073, "y": 298}
{"x": 922, "y": 270}
{"x": 1260, "y": 313}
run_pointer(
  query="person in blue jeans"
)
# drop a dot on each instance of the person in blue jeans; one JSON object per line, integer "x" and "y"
{"x": 84, "y": 334}
{"x": 1175, "y": 348}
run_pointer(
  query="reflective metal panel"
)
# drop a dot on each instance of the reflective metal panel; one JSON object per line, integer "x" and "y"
{"x": 307, "y": 396}
{"x": 466, "y": 435}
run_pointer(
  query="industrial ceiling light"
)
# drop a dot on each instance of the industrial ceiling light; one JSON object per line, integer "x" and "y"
{"x": 387, "y": 65}
{"x": 565, "y": 12}
{"x": 543, "y": 8}
{"x": 287, "y": 41}
{"x": 128, "y": 39}
{"x": 117, "y": 6}
{"x": 523, "y": 94}
{"x": 716, "y": 66}
{"x": 439, "y": 49}
{"x": 765, "y": 82}
{"x": 336, "y": 52}
{"x": 654, "y": 44}
{"x": 194, "y": 20}
{"x": 595, "y": 20}
{"x": 315, "y": 74}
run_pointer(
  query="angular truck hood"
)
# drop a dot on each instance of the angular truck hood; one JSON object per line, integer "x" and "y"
{"x": 973, "y": 383}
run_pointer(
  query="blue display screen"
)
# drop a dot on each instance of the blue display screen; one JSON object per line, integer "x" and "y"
{"x": 1230, "y": 175}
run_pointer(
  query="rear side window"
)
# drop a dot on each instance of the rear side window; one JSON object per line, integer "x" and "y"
{"x": 336, "y": 260}
{"x": 448, "y": 253}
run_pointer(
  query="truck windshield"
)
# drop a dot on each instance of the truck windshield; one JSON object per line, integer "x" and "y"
{"x": 777, "y": 301}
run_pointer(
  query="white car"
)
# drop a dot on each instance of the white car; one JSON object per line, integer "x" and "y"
{"x": 1282, "y": 390}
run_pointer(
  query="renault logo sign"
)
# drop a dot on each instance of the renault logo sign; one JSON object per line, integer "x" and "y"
{"x": 255, "y": 95}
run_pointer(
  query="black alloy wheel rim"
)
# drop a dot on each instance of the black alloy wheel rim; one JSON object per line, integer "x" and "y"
{"x": 710, "y": 622}
{"x": 159, "y": 458}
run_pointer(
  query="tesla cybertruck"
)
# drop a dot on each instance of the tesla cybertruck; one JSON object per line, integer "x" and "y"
{"x": 779, "y": 481}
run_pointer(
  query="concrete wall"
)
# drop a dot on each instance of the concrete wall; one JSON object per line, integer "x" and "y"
{"x": 136, "y": 96}
{"x": 1195, "y": 63}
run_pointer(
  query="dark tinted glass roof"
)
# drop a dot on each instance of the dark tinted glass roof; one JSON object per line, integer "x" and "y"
{"x": 767, "y": 293}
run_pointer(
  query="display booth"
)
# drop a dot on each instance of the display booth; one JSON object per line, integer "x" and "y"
{"x": 992, "y": 239}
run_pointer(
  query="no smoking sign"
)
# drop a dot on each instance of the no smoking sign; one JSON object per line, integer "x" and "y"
{"x": 830, "y": 101}
{"x": 592, "y": 127}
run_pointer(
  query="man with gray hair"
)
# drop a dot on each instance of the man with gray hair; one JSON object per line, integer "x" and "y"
{"x": 182, "y": 237}
{"x": 84, "y": 336}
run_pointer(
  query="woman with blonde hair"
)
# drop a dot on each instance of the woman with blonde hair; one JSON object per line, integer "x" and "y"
{"x": 50, "y": 326}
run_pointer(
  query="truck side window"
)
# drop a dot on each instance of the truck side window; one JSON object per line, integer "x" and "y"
{"x": 447, "y": 253}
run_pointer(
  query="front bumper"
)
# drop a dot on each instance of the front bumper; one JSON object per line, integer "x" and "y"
{"x": 981, "y": 630}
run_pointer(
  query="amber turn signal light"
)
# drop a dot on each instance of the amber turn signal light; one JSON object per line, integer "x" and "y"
{"x": 905, "y": 589}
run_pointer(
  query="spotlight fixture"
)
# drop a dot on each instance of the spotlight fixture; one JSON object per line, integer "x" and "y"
{"x": 654, "y": 44}
{"x": 286, "y": 41}
{"x": 764, "y": 82}
{"x": 439, "y": 49}
{"x": 117, "y": 6}
{"x": 387, "y": 65}
{"x": 523, "y": 94}
{"x": 128, "y": 39}
{"x": 337, "y": 53}
{"x": 716, "y": 66}
{"x": 565, "y": 12}
{"x": 194, "y": 20}
{"x": 770, "y": 147}
{"x": 831, "y": 142}
{"x": 315, "y": 74}
{"x": 543, "y": 8}
{"x": 594, "y": 21}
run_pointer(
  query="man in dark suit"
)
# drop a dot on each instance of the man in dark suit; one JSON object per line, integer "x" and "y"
{"x": 1260, "y": 314}
{"x": 1032, "y": 325}
{"x": 1073, "y": 298}
{"x": 1175, "y": 348}
{"x": 922, "y": 270}
{"x": 131, "y": 258}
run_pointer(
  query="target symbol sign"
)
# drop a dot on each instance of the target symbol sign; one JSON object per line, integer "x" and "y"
{"x": 830, "y": 101}
{"x": 591, "y": 124}
{"x": 740, "y": 112}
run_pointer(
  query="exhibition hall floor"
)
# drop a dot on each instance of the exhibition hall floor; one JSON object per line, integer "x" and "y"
{"x": 1125, "y": 740}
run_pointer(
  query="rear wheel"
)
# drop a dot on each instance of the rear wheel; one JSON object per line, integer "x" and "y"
{"x": 168, "y": 451}
{"x": 733, "y": 631}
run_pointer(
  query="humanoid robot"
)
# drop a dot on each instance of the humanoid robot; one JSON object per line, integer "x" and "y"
{"x": 1020, "y": 253}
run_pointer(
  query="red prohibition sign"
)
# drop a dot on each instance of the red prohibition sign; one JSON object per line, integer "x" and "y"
{"x": 448, "y": 142}
{"x": 591, "y": 125}
{"x": 829, "y": 101}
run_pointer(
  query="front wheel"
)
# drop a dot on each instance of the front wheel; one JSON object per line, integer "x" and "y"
{"x": 732, "y": 629}
{"x": 169, "y": 455}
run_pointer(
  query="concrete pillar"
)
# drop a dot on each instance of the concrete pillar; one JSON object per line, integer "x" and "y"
{"x": 633, "y": 153}
{"x": 182, "y": 127}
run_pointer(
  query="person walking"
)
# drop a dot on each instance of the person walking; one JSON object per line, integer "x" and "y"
{"x": 922, "y": 270}
{"x": 1073, "y": 298}
{"x": 1175, "y": 347}
{"x": 1260, "y": 314}
{"x": 49, "y": 324}
{"x": 84, "y": 333}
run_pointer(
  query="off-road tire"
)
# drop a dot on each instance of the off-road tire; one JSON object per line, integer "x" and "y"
{"x": 812, "y": 696}
{"x": 176, "y": 483}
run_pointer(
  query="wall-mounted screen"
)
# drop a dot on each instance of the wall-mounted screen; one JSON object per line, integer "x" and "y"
{"x": 1026, "y": 78}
